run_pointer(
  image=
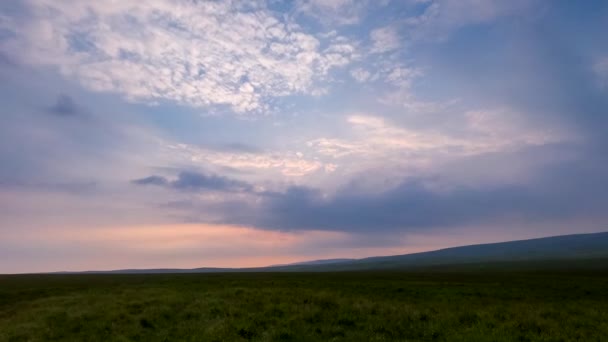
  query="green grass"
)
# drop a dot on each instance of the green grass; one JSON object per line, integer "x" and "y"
{"x": 363, "y": 306}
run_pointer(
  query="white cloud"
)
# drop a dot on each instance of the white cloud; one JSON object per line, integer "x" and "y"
{"x": 360, "y": 75}
{"x": 285, "y": 164}
{"x": 487, "y": 131}
{"x": 376, "y": 146}
{"x": 385, "y": 39}
{"x": 402, "y": 76}
{"x": 194, "y": 53}
{"x": 404, "y": 98}
{"x": 501, "y": 128}
{"x": 401, "y": 80}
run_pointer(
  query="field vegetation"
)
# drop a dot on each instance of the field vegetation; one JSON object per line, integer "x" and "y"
{"x": 460, "y": 305}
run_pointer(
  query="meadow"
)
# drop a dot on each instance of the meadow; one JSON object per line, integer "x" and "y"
{"x": 338, "y": 306}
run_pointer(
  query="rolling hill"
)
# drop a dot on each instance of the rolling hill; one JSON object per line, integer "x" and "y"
{"x": 556, "y": 248}
{"x": 584, "y": 251}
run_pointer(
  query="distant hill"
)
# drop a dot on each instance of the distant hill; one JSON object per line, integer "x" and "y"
{"x": 316, "y": 262}
{"x": 576, "y": 251}
{"x": 556, "y": 248}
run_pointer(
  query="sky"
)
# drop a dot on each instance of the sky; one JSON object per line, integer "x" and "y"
{"x": 184, "y": 133}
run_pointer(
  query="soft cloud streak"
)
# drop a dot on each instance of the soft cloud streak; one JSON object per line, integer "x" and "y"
{"x": 489, "y": 131}
{"x": 385, "y": 39}
{"x": 195, "y": 181}
{"x": 285, "y": 163}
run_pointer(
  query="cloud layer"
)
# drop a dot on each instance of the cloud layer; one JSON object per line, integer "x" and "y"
{"x": 196, "y": 53}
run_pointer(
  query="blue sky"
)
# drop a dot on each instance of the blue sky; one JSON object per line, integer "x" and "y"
{"x": 174, "y": 133}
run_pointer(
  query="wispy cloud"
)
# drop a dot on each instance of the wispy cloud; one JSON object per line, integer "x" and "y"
{"x": 488, "y": 131}
{"x": 196, "y": 181}
{"x": 360, "y": 74}
{"x": 65, "y": 106}
{"x": 284, "y": 163}
{"x": 385, "y": 39}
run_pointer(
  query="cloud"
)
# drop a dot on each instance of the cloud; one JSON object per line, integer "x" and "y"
{"x": 385, "y": 39}
{"x": 198, "y": 181}
{"x": 360, "y": 75}
{"x": 563, "y": 190}
{"x": 393, "y": 150}
{"x": 194, "y": 181}
{"x": 152, "y": 180}
{"x": 488, "y": 131}
{"x": 65, "y": 106}
{"x": 342, "y": 12}
{"x": 284, "y": 163}
{"x": 194, "y": 53}
{"x": 400, "y": 80}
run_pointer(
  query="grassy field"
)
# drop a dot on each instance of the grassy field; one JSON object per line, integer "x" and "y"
{"x": 363, "y": 306}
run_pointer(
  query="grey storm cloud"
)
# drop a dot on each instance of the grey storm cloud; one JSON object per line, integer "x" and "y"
{"x": 572, "y": 189}
{"x": 195, "y": 181}
{"x": 152, "y": 180}
{"x": 556, "y": 191}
